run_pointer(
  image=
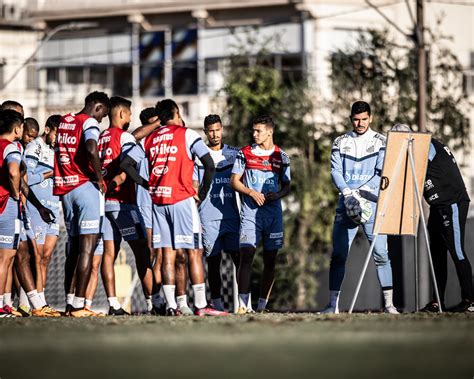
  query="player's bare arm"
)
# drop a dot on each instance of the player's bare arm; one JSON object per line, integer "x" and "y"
{"x": 14, "y": 179}
{"x": 284, "y": 191}
{"x": 117, "y": 181}
{"x": 93, "y": 156}
{"x": 145, "y": 130}
{"x": 237, "y": 185}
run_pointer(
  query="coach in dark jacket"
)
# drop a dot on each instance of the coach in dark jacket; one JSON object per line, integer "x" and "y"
{"x": 445, "y": 192}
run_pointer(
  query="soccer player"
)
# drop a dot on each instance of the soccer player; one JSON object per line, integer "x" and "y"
{"x": 446, "y": 194}
{"x": 155, "y": 304}
{"x": 170, "y": 151}
{"x": 78, "y": 180}
{"x": 39, "y": 160}
{"x": 261, "y": 173}
{"x": 219, "y": 214}
{"x": 123, "y": 218}
{"x": 12, "y": 124}
{"x": 356, "y": 164}
{"x": 11, "y": 129}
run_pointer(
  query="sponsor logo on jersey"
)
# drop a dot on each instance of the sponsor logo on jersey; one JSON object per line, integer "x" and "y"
{"x": 66, "y": 180}
{"x": 163, "y": 137}
{"x": 254, "y": 180}
{"x": 429, "y": 185}
{"x": 221, "y": 180}
{"x": 90, "y": 224}
{"x": 433, "y": 197}
{"x": 64, "y": 159}
{"x": 66, "y": 126}
{"x": 162, "y": 191}
{"x": 6, "y": 239}
{"x": 183, "y": 239}
{"x": 276, "y": 235}
{"x": 66, "y": 139}
{"x": 163, "y": 149}
{"x": 356, "y": 177}
{"x": 159, "y": 170}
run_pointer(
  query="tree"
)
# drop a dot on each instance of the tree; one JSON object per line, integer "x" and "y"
{"x": 383, "y": 72}
{"x": 253, "y": 87}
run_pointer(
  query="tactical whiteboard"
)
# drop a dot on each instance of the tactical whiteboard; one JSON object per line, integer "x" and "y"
{"x": 397, "y": 208}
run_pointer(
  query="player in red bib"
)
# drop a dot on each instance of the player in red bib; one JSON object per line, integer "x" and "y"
{"x": 123, "y": 218}
{"x": 78, "y": 180}
{"x": 170, "y": 151}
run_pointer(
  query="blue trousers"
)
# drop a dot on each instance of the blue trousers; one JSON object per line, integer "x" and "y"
{"x": 344, "y": 232}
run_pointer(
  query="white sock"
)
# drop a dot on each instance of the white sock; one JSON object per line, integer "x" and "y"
{"x": 200, "y": 295}
{"x": 334, "y": 298}
{"x": 41, "y": 294}
{"x": 1, "y": 301}
{"x": 88, "y": 303}
{"x": 69, "y": 298}
{"x": 35, "y": 299}
{"x": 24, "y": 299}
{"x": 388, "y": 298}
{"x": 78, "y": 302}
{"x": 114, "y": 303}
{"x": 218, "y": 304}
{"x": 182, "y": 301}
{"x": 149, "y": 304}
{"x": 169, "y": 290}
{"x": 262, "y": 304}
{"x": 243, "y": 300}
{"x": 7, "y": 299}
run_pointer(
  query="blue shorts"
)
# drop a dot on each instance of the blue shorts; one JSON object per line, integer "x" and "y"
{"x": 266, "y": 229}
{"x": 220, "y": 235}
{"x": 83, "y": 210}
{"x": 42, "y": 229}
{"x": 177, "y": 225}
{"x": 125, "y": 223}
{"x": 26, "y": 230}
{"x": 146, "y": 207}
{"x": 10, "y": 225}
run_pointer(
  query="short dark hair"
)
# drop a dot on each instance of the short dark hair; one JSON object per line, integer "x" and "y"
{"x": 212, "y": 119}
{"x": 97, "y": 97}
{"x": 8, "y": 119}
{"x": 165, "y": 110}
{"x": 264, "y": 119}
{"x": 10, "y": 104}
{"x": 360, "y": 107}
{"x": 53, "y": 121}
{"x": 117, "y": 101}
{"x": 31, "y": 124}
{"x": 146, "y": 114}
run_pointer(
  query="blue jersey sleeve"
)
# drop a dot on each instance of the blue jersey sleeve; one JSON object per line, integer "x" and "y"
{"x": 239, "y": 164}
{"x": 337, "y": 173}
{"x": 137, "y": 153}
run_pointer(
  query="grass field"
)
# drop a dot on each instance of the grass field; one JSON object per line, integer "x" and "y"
{"x": 261, "y": 346}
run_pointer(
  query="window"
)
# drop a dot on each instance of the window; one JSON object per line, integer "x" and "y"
{"x": 75, "y": 75}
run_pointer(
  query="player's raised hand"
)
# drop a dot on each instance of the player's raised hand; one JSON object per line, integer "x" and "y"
{"x": 258, "y": 197}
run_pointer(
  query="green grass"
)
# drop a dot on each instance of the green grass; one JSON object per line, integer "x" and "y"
{"x": 271, "y": 345}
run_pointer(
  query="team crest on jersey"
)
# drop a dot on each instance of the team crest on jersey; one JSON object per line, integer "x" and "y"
{"x": 371, "y": 149}
{"x": 266, "y": 162}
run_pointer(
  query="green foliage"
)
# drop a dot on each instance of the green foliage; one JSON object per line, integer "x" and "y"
{"x": 384, "y": 73}
{"x": 255, "y": 89}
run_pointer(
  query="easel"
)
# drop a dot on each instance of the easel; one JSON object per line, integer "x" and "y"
{"x": 413, "y": 187}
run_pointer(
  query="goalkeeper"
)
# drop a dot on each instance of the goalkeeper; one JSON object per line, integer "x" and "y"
{"x": 356, "y": 165}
